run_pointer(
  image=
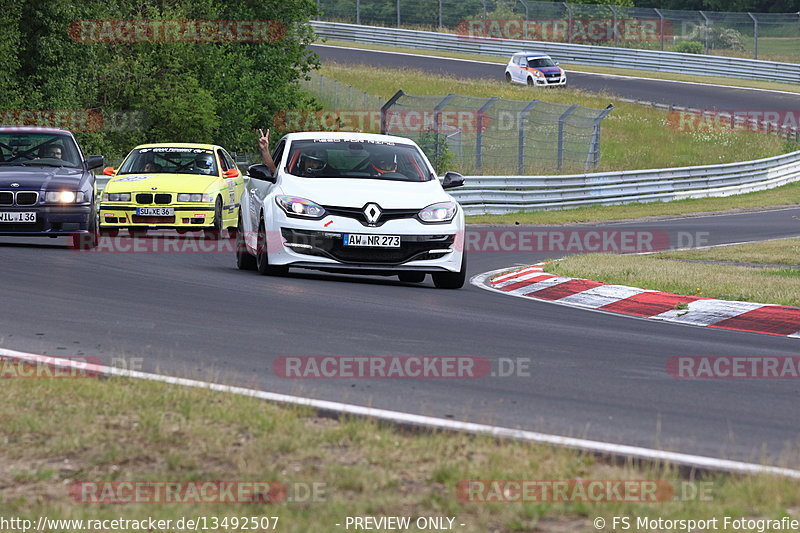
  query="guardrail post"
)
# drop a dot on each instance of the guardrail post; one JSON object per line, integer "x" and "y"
{"x": 385, "y": 109}
{"x": 479, "y": 132}
{"x": 755, "y": 35}
{"x": 707, "y": 30}
{"x": 661, "y": 26}
{"x": 437, "y": 118}
{"x": 523, "y": 116}
{"x": 569, "y": 21}
{"x": 614, "y": 29}
{"x": 561, "y": 120}
{"x": 594, "y": 146}
{"x": 525, "y": 28}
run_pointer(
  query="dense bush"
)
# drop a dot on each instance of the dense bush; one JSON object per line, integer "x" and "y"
{"x": 189, "y": 90}
{"x": 689, "y": 47}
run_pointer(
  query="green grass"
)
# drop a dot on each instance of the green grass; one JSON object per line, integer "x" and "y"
{"x": 781, "y": 251}
{"x": 59, "y": 432}
{"x": 732, "y": 82}
{"x": 664, "y": 272}
{"x": 785, "y": 196}
{"x": 623, "y": 145}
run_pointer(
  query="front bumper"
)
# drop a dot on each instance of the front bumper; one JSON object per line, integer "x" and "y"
{"x": 118, "y": 215}
{"x": 550, "y": 82}
{"x": 319, "y": 244}
{"x": 50, "y": 220}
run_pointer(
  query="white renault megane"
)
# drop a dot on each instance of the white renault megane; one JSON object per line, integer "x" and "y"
{"x": 355, "y": 203}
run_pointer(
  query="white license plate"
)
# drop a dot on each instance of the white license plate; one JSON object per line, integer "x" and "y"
{"x": 18, "y": 217}
{"x": 372, "y": 241}
{"x": 155, "y": 211}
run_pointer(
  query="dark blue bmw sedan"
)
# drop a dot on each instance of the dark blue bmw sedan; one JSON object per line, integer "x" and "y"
{"x": 46, "y": 185}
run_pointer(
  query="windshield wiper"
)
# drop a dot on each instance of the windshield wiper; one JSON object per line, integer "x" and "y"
{"x": 40, "y": 164}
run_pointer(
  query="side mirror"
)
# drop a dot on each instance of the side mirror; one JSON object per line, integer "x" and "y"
{"x": 261, "y": 172}
{"x": 557, "y": 63}
{"x": 109, "y": 171}
{"x": 232, "y": 173}
{"x": 94, "y": 161}
{"x": 452, "y": 179}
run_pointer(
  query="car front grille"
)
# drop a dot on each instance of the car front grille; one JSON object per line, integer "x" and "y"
{"x": 412, "y": 247}
{"x": 18, "y": 197}
{"x": 357, "y": 213}
{"x": 27, "y": 198}
{"x": 140, "y": 219}
{"x": 147, "y": 198}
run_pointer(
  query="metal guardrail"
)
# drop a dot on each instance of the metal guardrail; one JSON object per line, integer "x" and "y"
{"x": 508, "y": 194}
{"x": 628, "y": 58}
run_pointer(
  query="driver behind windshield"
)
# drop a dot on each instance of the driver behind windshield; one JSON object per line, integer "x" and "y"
{"x": 51, "y": 151}
{"x": 204, "y": 163}
{"x": 383, "y": 163}
{"x": 312, "y": 162}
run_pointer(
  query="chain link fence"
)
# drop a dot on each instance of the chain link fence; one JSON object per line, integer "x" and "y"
{"x": 477, "y": 136}
{"x": 772, "y": 36}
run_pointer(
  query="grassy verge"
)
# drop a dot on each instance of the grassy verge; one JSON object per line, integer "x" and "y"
{"x": 731, "y": 82}
{"x": 623, "y": 130}
{"x": 57, "y": 432}
{"x": 785, "y": 196}
{"x": 665, "y": 272}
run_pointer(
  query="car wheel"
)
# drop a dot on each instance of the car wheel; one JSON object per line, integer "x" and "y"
{"x": 109, "y": 232}
{"x": 412, "y": 277}
{"x": 87, "y": 241}
{"x": 262, "y": 256}
{"x": 451, "y": 280}
{"x": 530, "y": 81}
{"x": 214, "y": 233}
{"x": 508, "y": 77}
{"x": 244, "y": 260}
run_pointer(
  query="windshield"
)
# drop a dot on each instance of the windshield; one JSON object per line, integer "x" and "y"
{"x": 170, "y": 160}
{"x": 38, "y": 149}
{"x": 357, "y": 158}
{"x": 539, "y": 62}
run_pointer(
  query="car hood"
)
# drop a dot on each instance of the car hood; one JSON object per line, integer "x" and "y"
{"x": 548, "y": 70}
{"x": 42, "y": 178}
{"x": 357, "y": 192}
{"x": 188, "y": 183}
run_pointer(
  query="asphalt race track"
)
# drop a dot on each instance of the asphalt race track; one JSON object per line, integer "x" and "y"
{"x": 592, "y": 375}
{"x": 690, "y": 95}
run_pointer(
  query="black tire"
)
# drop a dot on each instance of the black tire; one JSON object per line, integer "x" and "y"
{"x": 262, "y": 256}
{"x": 109, "y": 232}
{"x": 411, "y": 277}
{"x": 214, "y": 233}
{"x": 88, "y": 241}
{"x": 451, "y": 280}
{"x": 508, "y": 77}
{"x": 530, "y": 81}
{"x": 244, "y": 260}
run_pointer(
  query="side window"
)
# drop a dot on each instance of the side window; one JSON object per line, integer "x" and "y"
{"x": 278, "y": 153}
{"x": 223, "y": 161}
{"x": 228, "y": 160}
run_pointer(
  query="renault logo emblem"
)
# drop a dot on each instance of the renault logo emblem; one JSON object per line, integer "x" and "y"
{"x": 372, "y": 212}
{"x": 15, "y": 184}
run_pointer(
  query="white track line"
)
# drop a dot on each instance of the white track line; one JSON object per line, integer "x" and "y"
{"x": 695, "y": 461}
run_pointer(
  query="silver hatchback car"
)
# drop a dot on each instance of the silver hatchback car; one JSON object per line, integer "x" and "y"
{"x": 531, "y": 68}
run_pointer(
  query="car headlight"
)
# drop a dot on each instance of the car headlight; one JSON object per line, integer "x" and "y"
{"x": 438, "y": 213}
{"x": 300, "y": 207}
{"x": 194, "y": 197}
{"x": 538, "y": 74}
{"x": 116, "y": 197}
{"x": 64, "y": 197}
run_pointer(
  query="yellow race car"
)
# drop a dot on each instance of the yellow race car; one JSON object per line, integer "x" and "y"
{"x": 186, "y": 187}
